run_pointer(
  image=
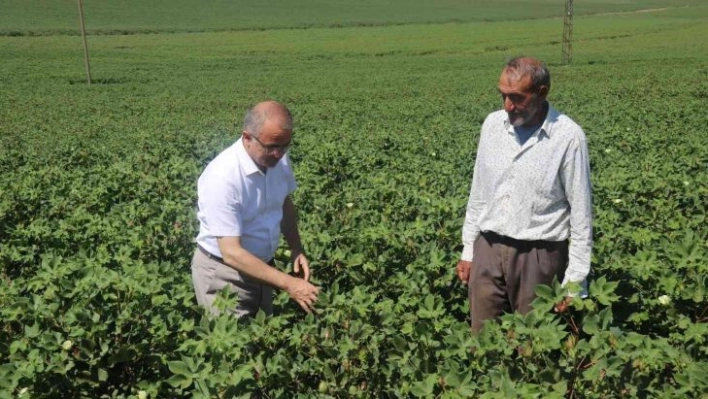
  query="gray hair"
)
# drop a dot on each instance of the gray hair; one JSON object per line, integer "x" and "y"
{"x": 261, "y": 112}
{"x": 527, "y": 66}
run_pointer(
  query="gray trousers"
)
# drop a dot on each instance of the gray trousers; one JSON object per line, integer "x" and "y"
{"x": 211, "y": 276}
{"x": 506, "y": 271}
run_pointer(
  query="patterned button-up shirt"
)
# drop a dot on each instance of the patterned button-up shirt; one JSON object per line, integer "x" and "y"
{"x": 536, "y": 191}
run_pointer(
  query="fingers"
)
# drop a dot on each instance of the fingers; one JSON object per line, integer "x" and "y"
{"x": 304, "y": 293}
{"x": 562, "y": 306}
{"x": 302, "y": 264}
{"x": 463, "y": 275}
{"x": 463, "y": 271}
{"x": 305, "y": 266}
{"x": 307, "y": 304}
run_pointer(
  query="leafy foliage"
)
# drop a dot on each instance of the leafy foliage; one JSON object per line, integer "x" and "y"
{"x": 98, "y": 192}
{"x": 48, "y": 17}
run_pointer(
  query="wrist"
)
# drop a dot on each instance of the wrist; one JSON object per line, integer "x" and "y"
{"x": 295, "y": 252}
{"x": 286, "y": 282}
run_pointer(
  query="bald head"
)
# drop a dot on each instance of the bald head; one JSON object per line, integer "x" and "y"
{"x": 521, "y": 68}
{"x": 267, "y": 111}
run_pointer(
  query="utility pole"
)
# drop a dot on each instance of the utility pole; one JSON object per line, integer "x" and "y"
{"x": 568, "y": 33}
{"x": 83, "y": 37}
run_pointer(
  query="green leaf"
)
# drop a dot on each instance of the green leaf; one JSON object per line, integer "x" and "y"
{"x": 180, "y": 381}
{"x": 424, "y": 388}
{"x": 102, "y": 375}
{"x": 590, "y": 324}
{"x": 179, "y": 368}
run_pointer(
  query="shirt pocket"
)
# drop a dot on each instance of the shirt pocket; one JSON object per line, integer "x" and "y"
{"x": 549, "y": 191}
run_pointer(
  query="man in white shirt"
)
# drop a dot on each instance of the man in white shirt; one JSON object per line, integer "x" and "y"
{"x": 244, "y": 203}
{"x": 530, "y": 194}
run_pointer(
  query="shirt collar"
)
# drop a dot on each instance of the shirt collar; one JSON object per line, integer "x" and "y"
{"x": 247, "y": 163}
{"x": 546, "y": 126}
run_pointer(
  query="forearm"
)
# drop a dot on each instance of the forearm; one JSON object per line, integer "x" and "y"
{"x": 288, "y": 227}
{"x": 246, "y": 263}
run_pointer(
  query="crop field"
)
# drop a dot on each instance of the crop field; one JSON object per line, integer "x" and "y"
{"x": 41, "y": 17}
{"x": 98, "y": 195}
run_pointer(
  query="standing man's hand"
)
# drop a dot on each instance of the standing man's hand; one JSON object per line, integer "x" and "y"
{"x": 301, "y": 265}
{"x": 302, "y": 292}
{"x": 562, "y": 306}
{"x": 463, "y": 270}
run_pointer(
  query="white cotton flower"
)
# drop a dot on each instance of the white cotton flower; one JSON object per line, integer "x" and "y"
{"x": 22, "y": 392}
{"x": 67, "y": 345}
{"x": 350, "y": 204}
{"x": 664, "y": 300}
{"x": 142, "y": 395}
{"x": 617, "y": 201}
{"x": 686, "y": 183}
{"x": 608, "y": 150}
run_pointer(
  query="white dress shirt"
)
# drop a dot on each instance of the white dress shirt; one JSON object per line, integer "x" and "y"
{"x": 236, "y": 199}
{"x": 539, "y": 190}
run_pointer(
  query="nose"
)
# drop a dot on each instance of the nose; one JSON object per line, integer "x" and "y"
{"x": 278, "y": 152}
{"x": 508, "y": 104}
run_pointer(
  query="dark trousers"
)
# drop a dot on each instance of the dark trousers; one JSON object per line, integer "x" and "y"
{"x": 506, "y": 271}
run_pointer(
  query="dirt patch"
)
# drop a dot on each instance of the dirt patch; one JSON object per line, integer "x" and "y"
{"x": 634, "y": 12}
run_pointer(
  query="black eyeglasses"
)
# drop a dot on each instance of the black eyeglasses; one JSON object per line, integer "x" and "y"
{"x": 272, "y": 148}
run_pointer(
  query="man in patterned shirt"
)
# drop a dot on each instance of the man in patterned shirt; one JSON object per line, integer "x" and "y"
{"x": 530, "y": 194}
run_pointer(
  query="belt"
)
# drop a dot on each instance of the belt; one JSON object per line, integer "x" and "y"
{"x": 210, "y": 255}
{"x": 221, "y": 260}
{"x": 493, "y": 238}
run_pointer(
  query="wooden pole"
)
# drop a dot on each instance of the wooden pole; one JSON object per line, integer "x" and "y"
{"x": 83, "y": 37}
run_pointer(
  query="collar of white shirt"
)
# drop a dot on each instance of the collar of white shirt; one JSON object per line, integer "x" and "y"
{"x": 249, "y": 166}
{"x": 547, "y": 125}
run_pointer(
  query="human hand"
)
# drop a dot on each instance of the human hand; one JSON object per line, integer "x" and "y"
{"x": 463, "y": 270}
{"x": 301, "y": 264}
{"x": 302, "y": 292}
{"x": 562, "y": 306}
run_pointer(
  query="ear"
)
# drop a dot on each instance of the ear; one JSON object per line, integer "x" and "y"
{"x": 542, "y": 91}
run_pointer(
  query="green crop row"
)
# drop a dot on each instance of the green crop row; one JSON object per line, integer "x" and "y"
{"x": 49, "y": 17}
{"x": 97, "y": 220}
